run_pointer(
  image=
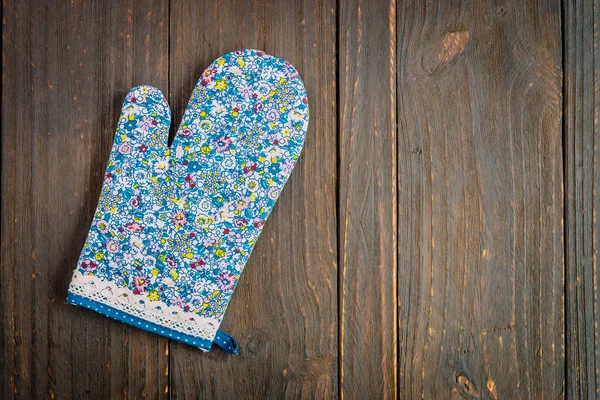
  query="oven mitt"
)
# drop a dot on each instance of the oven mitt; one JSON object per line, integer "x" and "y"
{"x": 175, "y": 225}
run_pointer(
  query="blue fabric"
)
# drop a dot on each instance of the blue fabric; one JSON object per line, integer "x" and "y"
{"x": 138, "y": 322}
{"x": 226, "y": 342}
{"x": 175, "y": 225}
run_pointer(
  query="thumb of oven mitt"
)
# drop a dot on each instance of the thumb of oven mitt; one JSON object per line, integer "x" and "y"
{"x": 175, "y": 225}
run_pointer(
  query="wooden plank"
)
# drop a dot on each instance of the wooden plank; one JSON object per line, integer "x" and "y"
{"x": 66, "y": 69}
{"x": 582, "y": 179}
{"x": 480, "y": 200}
{"x": 284, "y": 311}
{"x": 367, "y": 199}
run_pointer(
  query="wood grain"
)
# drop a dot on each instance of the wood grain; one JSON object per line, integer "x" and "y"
{"x": 480, "y": 239}
{"x": 66, "y": 69}
{"x": 582, "y": 174}
{"x": 438, "y": 238}
{"x": 284, "y": 311}
{"x": 367, "y": 199}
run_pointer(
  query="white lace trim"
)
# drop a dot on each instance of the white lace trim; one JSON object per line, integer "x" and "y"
{"x": 123, "y": 299}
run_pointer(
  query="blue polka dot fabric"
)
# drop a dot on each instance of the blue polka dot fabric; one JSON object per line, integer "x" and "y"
{"x": 175, "y": 225}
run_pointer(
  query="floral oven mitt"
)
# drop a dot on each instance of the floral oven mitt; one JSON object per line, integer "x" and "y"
{"x": 175, "y": 225}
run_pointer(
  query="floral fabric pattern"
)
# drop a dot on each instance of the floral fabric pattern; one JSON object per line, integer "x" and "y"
{"x": 176, "y": 224}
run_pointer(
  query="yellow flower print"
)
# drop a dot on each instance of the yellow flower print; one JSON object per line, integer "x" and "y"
{"x": 162, "y": 257}
{"x": 154, "y": 272}
{"x": 99, "y": 256}
{"x": 205, "y": 126}
{"x": 220, "y": 253}
{"x": 153, "y": 295}
{"x": 221, "y": 84}
{"x": 174, "y": 274}
{"x": 205, "y": 149}
{"x": 241, "y": 62}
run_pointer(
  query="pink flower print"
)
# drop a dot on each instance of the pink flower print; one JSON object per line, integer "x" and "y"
{"x": 273, "y": 115}
{"x": 207, "y": 77}
{"x": 250, "y": 167}
{"x": 240, "y": 222}
{"x": 113, "y": 246}
{"x": 290, "y": 72}
{"x": 168, "y": 281}
{"x": 135, "y": 201}
{"x": 246, "y": 91}
{"x": 185, "y": 132}
{"x": 222, "y": 144}
{"x": 236, "y": 238}
{"x": 190, "y": 181}
{"x": 208, "y": 242}
{"x": 198, "y": 264}
{"x": 273, "y": 193}
{"x": 177, "y": 300}
{"x": 288, "y": 166}
{"x": 140, "y": 283}
{"x": 102, "y": 226}
{"x": 171, "y": 262}
{"x": 142, "y": 148}
{"x": 179, "y": 218}
{"x": 89, "y": 266}
{"x": 108, "y": 177}
{"x": 125, "y": 148}
{"x": 242, "y": 203}
{"x": 146, "y": 123}
{"x": 179, "y": 152}
{"x": 258, "y": 107}
{"x": 133, "y": 227}
{"x": 226, "y": 281}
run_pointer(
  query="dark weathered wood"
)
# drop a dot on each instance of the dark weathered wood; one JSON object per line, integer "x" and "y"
{"x": 582, "y": 179}
{"x": 367, "y": 199}
{"x": 480, "y": 238}
{"x": 432, "y": 174}
{"x": 284, "y": 311}
{"x": 66, "y": 67}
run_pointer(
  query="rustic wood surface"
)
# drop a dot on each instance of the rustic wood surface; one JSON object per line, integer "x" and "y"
{"x": 438, "y": 238}
{"x": 480, "y": 234}
{"x": 581, "y": 132}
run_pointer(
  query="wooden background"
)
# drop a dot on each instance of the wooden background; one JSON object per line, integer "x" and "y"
{"x": 437, "y": 240}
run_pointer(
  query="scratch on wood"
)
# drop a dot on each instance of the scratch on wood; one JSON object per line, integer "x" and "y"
{"x": 491, "y": 385}
{"x": 466, "y": 385}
